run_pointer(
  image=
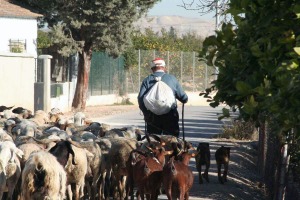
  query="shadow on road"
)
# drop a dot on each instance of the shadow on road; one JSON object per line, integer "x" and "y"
{"x": 200, "y": 125}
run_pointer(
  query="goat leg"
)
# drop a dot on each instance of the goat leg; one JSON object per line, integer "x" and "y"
{"x": 200, "y": 176}
{"x": 219, "y": 174}
{"x": 205, "y": 174}
{"x": 181, "y": 194}
{"x": 70, "y": 194}
{"x": 186, "y": 196}
{"x": 225, "y": 172}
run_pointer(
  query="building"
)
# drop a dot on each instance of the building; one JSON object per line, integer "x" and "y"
{"x": 18, "y": 53}
{"x": 18, "y": 28}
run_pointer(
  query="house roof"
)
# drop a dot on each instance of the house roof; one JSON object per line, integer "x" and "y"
{"x": 13, "y": 9}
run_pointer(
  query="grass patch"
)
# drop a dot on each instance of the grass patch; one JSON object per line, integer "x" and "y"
{"x": 124, "y": 101}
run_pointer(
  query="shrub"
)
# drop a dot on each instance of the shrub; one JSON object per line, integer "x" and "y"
{"x": 240, "y": 130}
{"x": 125, "y": 101}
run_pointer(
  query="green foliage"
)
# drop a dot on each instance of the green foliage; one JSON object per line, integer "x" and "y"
{"x": 16, "y": 49}
{"x": 43, "y": 40}
{"x": 258, "y": 60}
{"x": 166, "y": 40}
{"x": 131, "y": 58}
{"x": 91, "y": 25}
{"x": 162, "y": 41}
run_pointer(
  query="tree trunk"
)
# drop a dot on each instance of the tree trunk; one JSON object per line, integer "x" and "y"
{"x": 84, "y": 66}
{"x": 262, "y": 150}
{"x": 283, "y": 172}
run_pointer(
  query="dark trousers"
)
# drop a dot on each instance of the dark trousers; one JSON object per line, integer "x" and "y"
{"x": 166, "y": 124}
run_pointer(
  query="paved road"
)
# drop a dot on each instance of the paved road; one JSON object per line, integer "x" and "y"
{"x": 200, "y": 122}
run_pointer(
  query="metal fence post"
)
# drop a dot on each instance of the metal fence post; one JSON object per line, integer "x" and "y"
{"x": 181, "y": 67}
{"x": 168, "y": 61}
{"x": 139, "y": 68}
{"x": 206, "y": 76}
{"x": 193, "y": 71}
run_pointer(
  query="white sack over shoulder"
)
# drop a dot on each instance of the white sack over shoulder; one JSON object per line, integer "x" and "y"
{"x": 160, "y": 98}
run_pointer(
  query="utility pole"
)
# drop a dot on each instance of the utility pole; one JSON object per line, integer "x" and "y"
{"x": 217, "y": 16}
{"x": 216, "y": 29}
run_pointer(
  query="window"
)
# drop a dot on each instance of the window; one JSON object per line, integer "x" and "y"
{"x": 17, "y": 46}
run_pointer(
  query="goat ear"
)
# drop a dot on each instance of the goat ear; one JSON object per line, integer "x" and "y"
{"x": 149, "y": 148}
{"x": 133, "y": 159}
{"x": 155, "y": 137}
{"x": 70, "y": 150}
{"x": 168, "y": 152}
{"x": 18, "y": 152}
{"x": 89, "y": 154}
{"x": 12, "y": 156}
{"x": 147, "y": 137}
{"x": 147, "y": 169}
{"x": 192, "y": 152}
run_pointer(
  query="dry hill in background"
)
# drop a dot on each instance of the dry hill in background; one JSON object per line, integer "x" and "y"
{"x": 182, "y": 25}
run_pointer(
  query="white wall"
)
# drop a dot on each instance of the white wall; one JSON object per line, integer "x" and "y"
{"x": 23, "y": 29}
{"x": 17, "y": 77}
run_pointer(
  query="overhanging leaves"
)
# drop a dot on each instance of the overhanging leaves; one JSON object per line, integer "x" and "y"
{"x": 259, "y": 60}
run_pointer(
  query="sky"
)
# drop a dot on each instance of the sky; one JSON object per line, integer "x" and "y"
{"x": 170, "y": 7}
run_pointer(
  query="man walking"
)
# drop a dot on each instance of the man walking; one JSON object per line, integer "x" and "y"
{"x": 167, "y": 124}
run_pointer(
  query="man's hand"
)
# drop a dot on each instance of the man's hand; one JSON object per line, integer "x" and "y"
{"x": 185, "y": 101}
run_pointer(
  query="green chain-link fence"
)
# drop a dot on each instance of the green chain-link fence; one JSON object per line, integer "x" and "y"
{"x": 108, "y": 75}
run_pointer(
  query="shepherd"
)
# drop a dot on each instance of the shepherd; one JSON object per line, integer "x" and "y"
{"x": 157, "y": 100}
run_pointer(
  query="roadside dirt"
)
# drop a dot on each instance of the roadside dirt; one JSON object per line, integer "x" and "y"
{"x": 243, "y": 178}
{"x": 106, "y": 110}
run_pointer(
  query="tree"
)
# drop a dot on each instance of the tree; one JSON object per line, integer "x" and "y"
{"x": 206, "y": 6}
{"x": 219, "y": 7}
{"x": 161, "y": 41}
{"x": 43, "y": 40}
{"x": 258, "y": 60}
{"x": 166, "y": 40}
{"x": 86, "y": 26}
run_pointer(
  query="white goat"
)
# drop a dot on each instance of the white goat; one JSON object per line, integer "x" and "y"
{"x": 10, "y": 169}
{"x": 43, "y": 177}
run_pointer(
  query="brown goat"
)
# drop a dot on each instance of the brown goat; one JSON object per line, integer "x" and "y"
{"x": 222, "y": 156}
{"x": 178, "y": 178}
{"x": 119, "y": 152}
{"x": 145, "y": 171}
{"x": 203, "y": 158}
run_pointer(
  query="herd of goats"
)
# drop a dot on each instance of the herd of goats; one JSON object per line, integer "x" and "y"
{"x": 51, "y": 156}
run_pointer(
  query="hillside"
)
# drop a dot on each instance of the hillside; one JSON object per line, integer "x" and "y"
{"x": 182, "y": 25}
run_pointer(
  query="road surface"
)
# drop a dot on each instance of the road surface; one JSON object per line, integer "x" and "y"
{"x": 200, "y": 125}
{"x": 200, "y": 122}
